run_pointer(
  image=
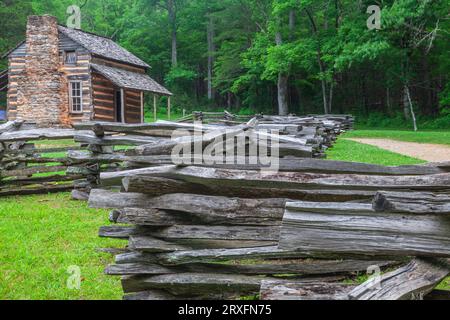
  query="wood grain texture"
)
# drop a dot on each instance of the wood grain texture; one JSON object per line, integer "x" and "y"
{"x": 193, "y": 283}
{"x": 290, "y": 290}
{"x": 287, "y": 180}
{"x": 411, "y": 282}
{"x": 261, "y": 267}
{"x": 412, "y": 202}
{"x": 355, "y": 229}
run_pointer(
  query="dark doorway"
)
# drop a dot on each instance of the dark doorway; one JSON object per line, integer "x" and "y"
{"x": 119, "y": 106}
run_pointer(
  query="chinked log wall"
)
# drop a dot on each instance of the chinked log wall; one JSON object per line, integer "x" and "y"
{"x": 29, "y": 164}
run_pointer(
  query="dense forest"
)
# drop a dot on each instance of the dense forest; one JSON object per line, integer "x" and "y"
{"x": 278, "y": 56}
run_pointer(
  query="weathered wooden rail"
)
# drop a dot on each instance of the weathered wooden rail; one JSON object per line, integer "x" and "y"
{"x": 208, "y": 233}
{"x": 204, "y": 230}
{"x": 34, "y": 161}
{"x": 114, "y": 148}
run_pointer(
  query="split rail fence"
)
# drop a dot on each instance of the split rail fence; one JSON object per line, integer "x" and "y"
{"x": 218, "y": 231}
{"x": 34, "y": 160}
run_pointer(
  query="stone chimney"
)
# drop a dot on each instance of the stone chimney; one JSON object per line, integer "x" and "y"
{"x": 39, "y": 88}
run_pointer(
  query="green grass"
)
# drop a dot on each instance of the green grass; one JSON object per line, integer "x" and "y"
{"x": 346, "y": 150}
{"x": 438, "y": 137}
{"x": 149, "y": 118}
{"x": 41, "y": 237}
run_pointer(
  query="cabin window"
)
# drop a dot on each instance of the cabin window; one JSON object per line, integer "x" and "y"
{"x": 71, "y": 57}
{"x": 76, "y": 97}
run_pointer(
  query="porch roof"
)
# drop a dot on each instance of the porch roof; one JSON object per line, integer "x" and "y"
{"x": 130, "y": 80}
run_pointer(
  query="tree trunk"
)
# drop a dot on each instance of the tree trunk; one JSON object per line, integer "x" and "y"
{"x": 211, "y": 50}
{"x": 324, "y": 85}
{"x": 283, "y": 108}
{"x": 388, "y": 101}
{"x": 405, "y": 102}
{"x": 330, "y": 103}
{"x": 173, "y": 25}
{"x": 408, "y": 106}
{"x": 291, "y": 24}
{"x": 320, "y": 62}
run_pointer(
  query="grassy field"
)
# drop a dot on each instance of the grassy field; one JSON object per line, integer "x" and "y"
{"x": 438, "y": 137}
{"x": 42, "y": 236}
{"x": 347, "y": 150}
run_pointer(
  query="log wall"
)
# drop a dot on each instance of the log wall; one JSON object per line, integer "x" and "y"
{"x": 133, "y": 106}
{"x": 103, "y": 98}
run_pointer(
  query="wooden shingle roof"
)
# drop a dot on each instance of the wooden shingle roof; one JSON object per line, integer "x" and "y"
{"x": 130, "y": 80}
{"x": 103, "y": 47}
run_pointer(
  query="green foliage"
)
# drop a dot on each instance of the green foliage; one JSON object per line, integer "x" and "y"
{"x": 325, "y": 49}
{"x": 180, "y": 74}
{"x": 380, "y": 120}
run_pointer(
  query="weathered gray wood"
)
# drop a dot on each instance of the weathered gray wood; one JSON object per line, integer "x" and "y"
{"x": 22, "y": 182}
{"x": 264, "y": 233}
{"x": 168, "y": 210}
{"x": 38, "y": 134}
{"x": 83, "y": 156}
{"x": 10, "y": 126}
{"x": 119, "y": 232}
{"x": 32, "y": 170}
{"x": 274, "y": 267}
{"x": 151, "y": 295}
{"x": 91, "y": 138}
{"x": 285, "y": 164}
{"x": 271, "y": 252}
{"x": 290, "y": 290}
{"x": 153, "y": 245}
{"x": 79, "y": 195}
{"x": 37, "y": 189}
{"x": 208, "y": 255}
{"x": 100, "y": 198}
{"x": 166, "y": 148}
{"x": 412, "y": 202}
{"x": 149, "y": 186}
{"x": 209, "y": 210}
{"x": 197, "y": 239}
{"x": 145, "y": 127}
{"x": 242, "y": 235}
{"x": 36, "y": 159}
{"x": 289, "y": 164}
{"x": 284, "y": 180}
{"x": 355, "y": 229}
{"x": 193, "y": 283}
{"x": 84, "y": 169}
{"x": 411, "y": 282}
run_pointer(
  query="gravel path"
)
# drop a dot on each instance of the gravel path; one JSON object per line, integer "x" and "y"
{"x": 424, "y": 151}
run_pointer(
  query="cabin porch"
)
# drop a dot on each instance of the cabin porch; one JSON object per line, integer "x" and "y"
{"x": 119, "y": 95}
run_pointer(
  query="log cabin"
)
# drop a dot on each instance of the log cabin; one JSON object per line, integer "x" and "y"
{"x": 60, "y": 76}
